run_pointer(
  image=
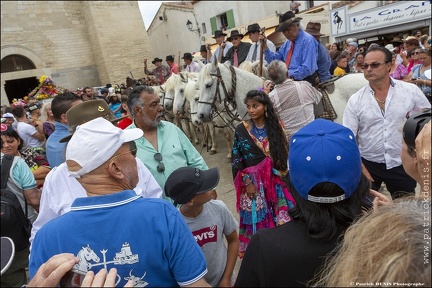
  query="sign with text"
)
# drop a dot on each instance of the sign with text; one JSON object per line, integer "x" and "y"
{"x": 389, "y": 15}
{"x": 338, "y": 21}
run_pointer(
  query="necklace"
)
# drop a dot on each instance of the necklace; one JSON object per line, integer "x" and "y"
{"x": 380, "y": 101}
{"x": 260, "y": 132}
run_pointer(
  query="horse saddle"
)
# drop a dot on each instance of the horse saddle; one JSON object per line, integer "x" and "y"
{"x": 326, "y": 88}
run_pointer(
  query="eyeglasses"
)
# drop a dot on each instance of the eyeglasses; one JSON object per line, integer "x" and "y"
{"x": 415, "y": 53}
{"x": 161, "y": 166}
{"x": 373, "y": 65}
{"x": 235, "y": 38}
{"x": 132, "y": 149}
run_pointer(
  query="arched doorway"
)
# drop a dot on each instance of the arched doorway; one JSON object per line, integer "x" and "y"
{"x": 18, "y": 88}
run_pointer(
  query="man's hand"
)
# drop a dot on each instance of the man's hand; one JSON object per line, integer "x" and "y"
{"x": 51, "y": 272}
{"x": 102, "y": 279}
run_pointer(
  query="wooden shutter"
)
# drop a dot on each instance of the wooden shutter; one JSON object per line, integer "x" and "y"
{"x": 230, "y": 18}
{"x": 213, "y": 24}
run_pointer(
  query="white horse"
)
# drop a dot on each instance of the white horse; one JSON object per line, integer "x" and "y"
{"x": 223, "y": 87}
{"x": 345, "y": 86}
{"x": 253, "y": 67}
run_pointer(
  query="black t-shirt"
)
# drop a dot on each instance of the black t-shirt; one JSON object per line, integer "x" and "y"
{"x": 283, "y": 256}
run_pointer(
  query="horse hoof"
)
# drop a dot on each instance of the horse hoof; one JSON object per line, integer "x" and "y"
{"x": 211, "y": 152}
{"x": 204, "y": 145}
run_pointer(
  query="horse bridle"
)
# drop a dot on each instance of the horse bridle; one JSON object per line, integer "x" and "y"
{"x": 229, "y": 97}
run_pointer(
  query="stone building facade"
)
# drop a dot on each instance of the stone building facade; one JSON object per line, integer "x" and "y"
{"x": 75, "y": 43}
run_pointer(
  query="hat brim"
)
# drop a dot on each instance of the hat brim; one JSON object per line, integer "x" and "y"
{"x": 67, "y": 138}
{"x": 284, "y": 25}
{"x": 241, "y": 37}
{"x": 154, "y": 61}
{"x": 223, "y": 34}
{"x": 7, "y": 253}
{"x": 314, "y": 33}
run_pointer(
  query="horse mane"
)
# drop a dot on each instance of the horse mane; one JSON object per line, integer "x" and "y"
{"x": 170, "y": 83}
{"x": 247, "y": 66}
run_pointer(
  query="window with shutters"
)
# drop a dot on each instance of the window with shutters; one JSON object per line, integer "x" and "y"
{"x": 224, "y": 21}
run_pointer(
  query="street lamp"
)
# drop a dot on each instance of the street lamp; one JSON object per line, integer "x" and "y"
{"x": 189, "y": 26}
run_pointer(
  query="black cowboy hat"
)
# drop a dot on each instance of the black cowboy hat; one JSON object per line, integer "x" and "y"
{"x": 169, "y": 58}
{"x": 313, "y": 29}
{"x": 287, "y": 20}
{"x": 219, "y": 33}
{"x": 235, "y": 33}
{"x": 187, "y": 56}
{"x": 253, "y": 28}
{"x": 156, "y": 60}
{"x": 203, "y": 48}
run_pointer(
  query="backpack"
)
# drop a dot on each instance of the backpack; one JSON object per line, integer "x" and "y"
{"x": 14, "y": 223}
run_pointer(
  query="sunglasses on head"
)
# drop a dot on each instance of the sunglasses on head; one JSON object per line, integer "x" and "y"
{"x": 161, "y": 166}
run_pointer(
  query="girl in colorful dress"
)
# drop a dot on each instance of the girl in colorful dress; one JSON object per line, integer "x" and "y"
{"x": 259, "y": 163}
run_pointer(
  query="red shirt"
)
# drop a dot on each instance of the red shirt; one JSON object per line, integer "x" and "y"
{"x": 122, "y": 124}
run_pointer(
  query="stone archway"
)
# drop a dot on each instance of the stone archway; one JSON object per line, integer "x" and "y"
{"x": 36, "y": 68}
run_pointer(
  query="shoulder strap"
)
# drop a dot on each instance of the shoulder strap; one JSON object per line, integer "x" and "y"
{"x": 5, "y": 169}
{"x": 5, "y": 172}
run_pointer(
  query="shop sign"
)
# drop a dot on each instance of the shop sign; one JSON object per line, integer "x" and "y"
{"x": 339, "y": 21}
{"x": 389, "y": 15}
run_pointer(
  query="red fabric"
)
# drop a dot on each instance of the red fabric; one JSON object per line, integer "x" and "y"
{"x": 124, "y": 123}
{"x": 235, "y": 58}
{"x": 161, "y": 79}
{"x": 290, "y": 52}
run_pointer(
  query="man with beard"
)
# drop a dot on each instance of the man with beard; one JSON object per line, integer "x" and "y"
{"x": 164, "y": 147}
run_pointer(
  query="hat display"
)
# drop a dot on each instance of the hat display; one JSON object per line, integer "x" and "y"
{"x": 8, "y": 115}
{"x": 87, "y": 111}
{"x": 235, "y": 33}
{"x": 7, "y": 253}
{"x": 324, "y": 151}
{"x": 101, "y": 140}
{"x": 186, "y": 182}
{"x": 313, "y": 29}
{"x": 253, "y": 28}
{"x": 354, "y": 44}
{"x": 187, "y": 56}
{"x": 203, "y": 48}
{"x": 156, "y": 59}
{"x": 287, "y": 20}
{"x": 219, "y": 33}
{"x": 169, "y": 58}
{"x": 390, "y": 47}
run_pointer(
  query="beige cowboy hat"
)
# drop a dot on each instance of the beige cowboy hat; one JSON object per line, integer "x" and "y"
{"x": 313, "y": 29}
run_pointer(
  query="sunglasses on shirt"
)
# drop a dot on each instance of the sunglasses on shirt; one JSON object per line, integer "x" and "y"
{"x": 161, "y": 166}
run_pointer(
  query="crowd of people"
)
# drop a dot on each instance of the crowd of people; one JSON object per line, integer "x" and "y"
{"x": 117, "y": 196}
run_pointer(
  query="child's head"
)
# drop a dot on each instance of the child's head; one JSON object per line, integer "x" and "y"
{"x": 342, "y": 61}
{"x": 187, "y": 182}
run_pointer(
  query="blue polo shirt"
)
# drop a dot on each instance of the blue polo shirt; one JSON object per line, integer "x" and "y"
{"x": 144, "y": 238}
{"x": 56, "y": 151}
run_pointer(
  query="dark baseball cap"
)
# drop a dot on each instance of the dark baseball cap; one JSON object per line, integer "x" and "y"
{"x": 186, "y": 182}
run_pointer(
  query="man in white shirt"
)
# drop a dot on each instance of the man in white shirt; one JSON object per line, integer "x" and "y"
{"x": 225, "y": 46}
{"x": 28, "y": 133}
{"x": 254, "y": 31}
{"x": 61, "y": 189}
{"x": 191, "y": 66}
{"x": 376, "y": 115}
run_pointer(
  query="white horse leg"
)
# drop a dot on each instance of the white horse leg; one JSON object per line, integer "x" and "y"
{"x": 229, "y": 138}
{"x": 186, "y": 129}
{"x": 192, "y": 129}
{"x": 211, "y": 132}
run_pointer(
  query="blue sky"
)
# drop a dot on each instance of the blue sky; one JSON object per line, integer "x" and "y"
{"x": 148, "y": 10}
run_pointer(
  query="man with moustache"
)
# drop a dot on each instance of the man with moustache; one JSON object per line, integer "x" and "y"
{"x": 164, "y": 147}
{"x": 376, "y": 115}
{"x": 237, "y": 54}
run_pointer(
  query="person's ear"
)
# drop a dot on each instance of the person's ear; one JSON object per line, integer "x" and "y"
{"x": 115, "y": 170}
{"x": 63, "y": 118}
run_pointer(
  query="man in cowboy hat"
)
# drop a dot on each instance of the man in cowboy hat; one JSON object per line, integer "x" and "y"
{"x": 324, "y": 60}
{"x": 237, "y": 54}
{"x": 191, "y": 66}
{"x": 223, "y": 47}
{"x": 161, "y": 72}
{"x": 174, "y": 68}
{"x": 254, "y": 31}
{"x": 203, "y": 53}
{"x": 299, "y": 52}
{"x": 53, "y": 203}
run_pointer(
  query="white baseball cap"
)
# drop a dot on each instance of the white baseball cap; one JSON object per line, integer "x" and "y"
{"x": 96, "y": 141}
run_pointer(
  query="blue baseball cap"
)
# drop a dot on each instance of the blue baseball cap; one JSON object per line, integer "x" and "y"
{"x": 324, "y": 151}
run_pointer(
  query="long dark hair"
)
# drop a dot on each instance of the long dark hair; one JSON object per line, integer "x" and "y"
{"x": 326, "y": 220}
{"x": 278, "y": 144}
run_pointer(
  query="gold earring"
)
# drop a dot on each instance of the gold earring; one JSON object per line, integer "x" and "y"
{"x": 266, "y": 114}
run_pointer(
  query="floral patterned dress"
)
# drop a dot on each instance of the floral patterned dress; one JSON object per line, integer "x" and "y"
{"x": 251, "y": 156}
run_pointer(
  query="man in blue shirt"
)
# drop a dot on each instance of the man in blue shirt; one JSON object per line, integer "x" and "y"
{"x": 324, "y": 60}
{"x": 60, "y": 105}
{"x": 299, "y": 52}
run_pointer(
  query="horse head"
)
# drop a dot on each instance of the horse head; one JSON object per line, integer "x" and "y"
{"x": 169, "y": 92}
{"x": 89, "y": 254}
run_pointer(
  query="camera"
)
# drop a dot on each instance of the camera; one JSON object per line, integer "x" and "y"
{"x": 414, "y": 124}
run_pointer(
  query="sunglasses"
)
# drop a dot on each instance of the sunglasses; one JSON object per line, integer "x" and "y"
{"x": 373, "y": 65}
{"x": 161, "y": 166}
{"x": 132, "y": 149}
{"x": 235, "y": 38}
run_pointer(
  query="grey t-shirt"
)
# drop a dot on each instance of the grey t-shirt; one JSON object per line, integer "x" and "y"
{"x": 208, "y": 229}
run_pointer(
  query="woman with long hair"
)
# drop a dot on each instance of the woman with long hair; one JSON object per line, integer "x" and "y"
{"x": 397, "y": 71}
{"x": 417, "y": 74}
{"x": 114, "y": 103}
{"x": 47, "y": 118}
{"x": 357, "y": 68}
{"x": 259, "y": 162}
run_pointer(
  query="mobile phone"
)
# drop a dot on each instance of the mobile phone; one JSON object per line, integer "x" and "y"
{"x": 72, "y": 278}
